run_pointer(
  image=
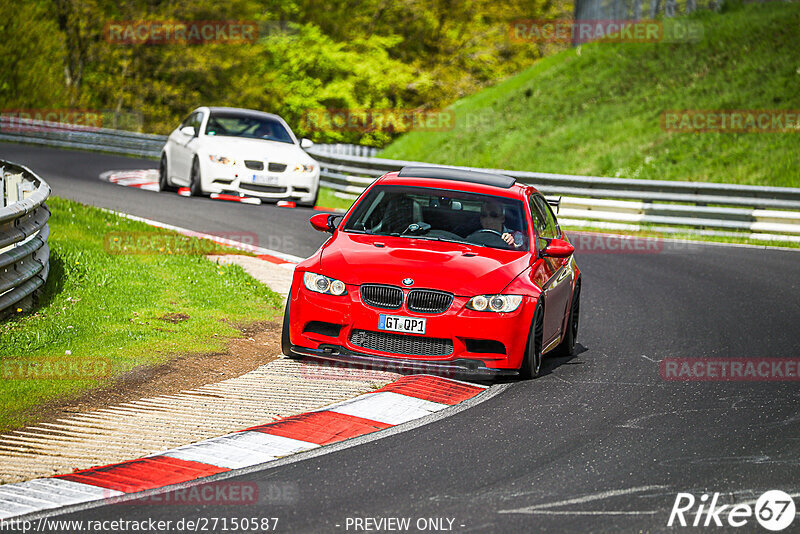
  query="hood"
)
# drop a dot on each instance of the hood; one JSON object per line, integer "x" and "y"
{"x": 460, "y": 269}
{"x": 241, "y": 148}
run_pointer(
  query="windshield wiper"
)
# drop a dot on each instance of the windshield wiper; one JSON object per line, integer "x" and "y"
{"x": 437, "y": 238}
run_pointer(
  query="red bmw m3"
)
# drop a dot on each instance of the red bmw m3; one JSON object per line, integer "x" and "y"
{"x": 438, "y": 270}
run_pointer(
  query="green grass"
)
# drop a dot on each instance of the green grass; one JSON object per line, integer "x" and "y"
{"x": 101, "y": 305}
{"x": 595, "y": 110}
{"x": 327, "y": 199}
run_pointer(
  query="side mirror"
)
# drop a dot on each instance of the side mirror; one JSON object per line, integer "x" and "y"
{"x": 558, "y": 248}
{"x": 306, "y": 143}
{"x": 188, "y": 131}
{"x": 325, "y": 222}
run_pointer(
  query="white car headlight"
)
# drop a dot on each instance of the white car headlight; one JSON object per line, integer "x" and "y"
{"x": 224, "y": 160}
{"x": 304, "y": 168}
{"x": 495, "y": 303}
{"x": 322, "y": 284}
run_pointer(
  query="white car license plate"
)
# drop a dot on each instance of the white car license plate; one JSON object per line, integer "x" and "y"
{"x": 398, "y": 323}
{"x": 264, "y": 179}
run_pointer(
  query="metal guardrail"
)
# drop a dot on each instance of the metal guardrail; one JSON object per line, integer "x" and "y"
{"x": 619, "y": 203}
{"x": 345, "y": 149}
{"x": 75, "y": 136}
{"x": 118, "y": 141}
{"x": 24, "y": 254}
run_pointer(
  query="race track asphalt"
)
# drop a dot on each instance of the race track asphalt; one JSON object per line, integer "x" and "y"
{"x": 74, "y": 175}
{"x": 600, "y": 443}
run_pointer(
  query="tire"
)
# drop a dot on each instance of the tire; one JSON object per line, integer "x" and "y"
{"x": 567, "y": 345}
{"x": 195, "y": 183}
{"x": 532, "y": 361}
{"x": 163, "y": 175}
{"x": 286, "y": 342}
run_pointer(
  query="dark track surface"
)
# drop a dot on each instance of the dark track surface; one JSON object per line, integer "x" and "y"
{"x": 603, "y": 425}
{"x": 74, "y": 175}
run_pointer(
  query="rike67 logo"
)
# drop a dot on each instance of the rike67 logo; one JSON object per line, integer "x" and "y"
{"x": 774, "y": 511}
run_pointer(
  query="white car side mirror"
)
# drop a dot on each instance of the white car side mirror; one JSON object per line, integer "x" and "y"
{"x": 188, "y": 131}
{"x": 306, "y": 143}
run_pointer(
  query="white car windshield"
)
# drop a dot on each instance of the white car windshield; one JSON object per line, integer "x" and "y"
{"x": 250, "y": 126}
{"x": 441, "y": 215}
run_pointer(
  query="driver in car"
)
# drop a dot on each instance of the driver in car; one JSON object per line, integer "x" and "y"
{"x": 493, "y": 217}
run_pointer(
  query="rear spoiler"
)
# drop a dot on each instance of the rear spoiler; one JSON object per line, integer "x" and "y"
{"x": 555, "y": 202}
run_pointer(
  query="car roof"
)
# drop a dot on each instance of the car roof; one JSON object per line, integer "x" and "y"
{"x": 458, "y": 179}
{"x": 244, "y": 112}
{"x": 459, "y": 175}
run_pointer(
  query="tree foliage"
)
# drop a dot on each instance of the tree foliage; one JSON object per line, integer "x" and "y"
{"x": 310, "y": 54}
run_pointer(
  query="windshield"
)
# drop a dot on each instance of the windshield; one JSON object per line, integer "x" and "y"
{"x": 250, "y": 126}
{"x": 444, "y": 215}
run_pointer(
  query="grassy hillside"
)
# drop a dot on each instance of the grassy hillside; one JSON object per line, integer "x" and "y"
{"x": 596, "y": 109}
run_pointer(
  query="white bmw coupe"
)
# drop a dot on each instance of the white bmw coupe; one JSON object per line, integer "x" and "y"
{"x": 239, "y": 151}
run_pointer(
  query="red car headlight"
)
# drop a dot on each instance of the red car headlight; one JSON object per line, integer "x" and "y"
{"x": 323, "y": 284}
{"x": 495, "y": 303}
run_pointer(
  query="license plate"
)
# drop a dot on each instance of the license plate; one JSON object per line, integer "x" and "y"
{"x": 398, "y": 323}
{"x": 264, "y": 179}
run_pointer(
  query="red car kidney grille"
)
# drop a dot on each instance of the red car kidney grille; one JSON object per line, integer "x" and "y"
{"x": 388, "y": 297}
{"x": 428, "y": 301}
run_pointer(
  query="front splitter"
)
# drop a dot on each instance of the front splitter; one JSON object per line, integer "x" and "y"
{"x": 402, "y": 366}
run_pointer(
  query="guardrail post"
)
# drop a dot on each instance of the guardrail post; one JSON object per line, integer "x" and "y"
{"x": 2, "y": 187}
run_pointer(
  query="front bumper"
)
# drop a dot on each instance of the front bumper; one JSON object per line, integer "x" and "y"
{"x": 289, "y": 185}
{"x": 483, "y": 343}
{"x": 453, "y": 369}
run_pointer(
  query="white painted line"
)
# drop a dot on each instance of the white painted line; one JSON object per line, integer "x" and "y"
{"x": 15, "y": 494}
{"x": 11, "y": 508}
{"x": 539, "y": 508}
{"x": 191, "y": 233}
{"x": 42, "y": 494}
{"x": 590, "y": 512}
{"x": 60, "y": 489}
{"x": 242, "y": 449}
{"x": 387, "y": 407}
